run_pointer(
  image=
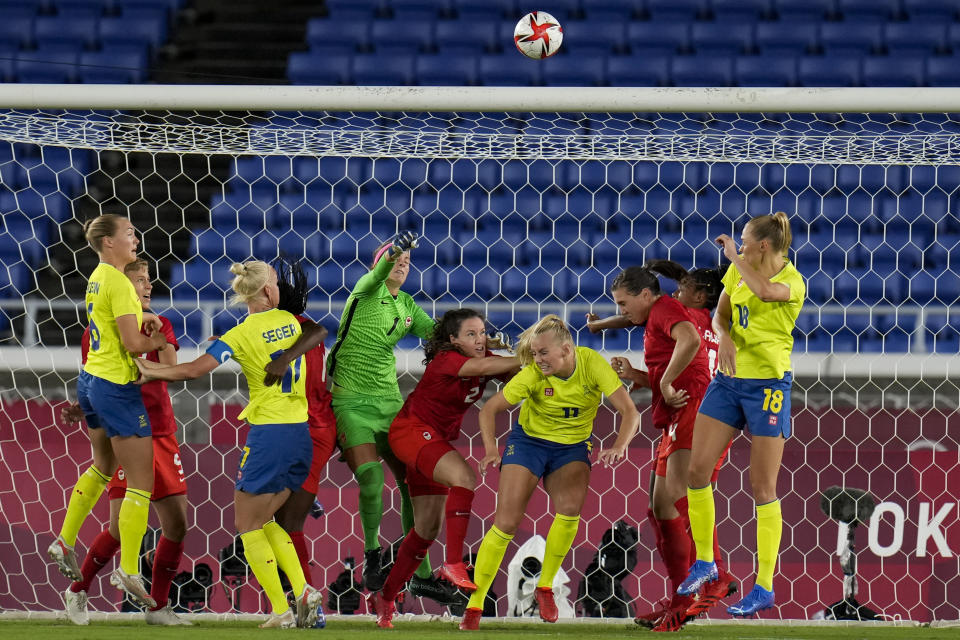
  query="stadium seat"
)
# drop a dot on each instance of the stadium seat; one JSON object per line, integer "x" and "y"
{"x": 17, "y": 26}
{"x": 864, "y": 11}
{"x": 893, "y": 71}
{"x": 504, "y": 70}
{"x": 935, "y": 11}
{"x": 124, "y": 30}
{"x": 401, "y": 38}
{"x": 765, "y": 71}
{"x": 915, "y": 39}
{"x": 828, "y": 71}
{"x": 306, "y": 67}
{"x": 943, "y": 71}
{"x": 658, "y": 38}
{"x": 721, "y": 38}
{"x": 943, "y": 333}
{"x": 804, "y": 10}
{"x": 594, "y": 38}
{"x": 428, "y": 10}
{"x": 46, "y": 66}
{"x": 675, "y": 10}
{"x": 740, "y": 11}
{"x": 325, "y": 32}
{"x": 440, "y": 70}
{"x": 382, "y": 70}
{"x": 55, "y": 30}
{"x": 112, "y": 67}
{"x": 573, "y": 71}
{"x": 851, "y": 39}
{"x": 462, "y": 37}
{"x": 701, "y": 71}
{"x": 353, "y": 10}
{"x": 786, "y": 37}
{"x": 485, "y": 10}
{"x": 611, "y": 11}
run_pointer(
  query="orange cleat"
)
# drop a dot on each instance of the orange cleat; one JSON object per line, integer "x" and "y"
{"x": 385, "y": 610}
{"x": 652, "y": 619}
{"x": 456, "y": 574}
{"x": 675, "y": 618}
{"x": 548, "y": 608}
{"x": 471, "y": 619}
{"x": 712, "y": 593}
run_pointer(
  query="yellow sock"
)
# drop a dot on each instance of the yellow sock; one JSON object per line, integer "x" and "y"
{"x": 259, "y": 554}
{"x": 559, "y": 539}
{"x": 286, "y": 555}
{"x": 86, "y": 492}
{"x": 703, "y": 516}
{"x": 769, "y": 530}
{"x": 134, "y": 511}
{"x": 489, "y": 557}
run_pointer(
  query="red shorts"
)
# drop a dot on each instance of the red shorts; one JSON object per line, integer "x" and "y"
{"x": 679, "y": 435}
{"x": 419, "y": 447}
{"x": 324, "y": 442}
{"x": 168, "y": 477}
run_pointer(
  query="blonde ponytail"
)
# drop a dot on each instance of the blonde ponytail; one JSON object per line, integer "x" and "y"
{"x": 249, "y": 279}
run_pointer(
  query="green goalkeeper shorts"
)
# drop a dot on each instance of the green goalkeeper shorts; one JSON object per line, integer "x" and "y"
{"x": 364, "y": 420}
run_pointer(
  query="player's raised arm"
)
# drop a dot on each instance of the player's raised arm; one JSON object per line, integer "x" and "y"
{"x": 596, "y": 324}
{"x": 629, "y": 427}
{"x": 488, "y": 429}
{"x": 185, "y": 371}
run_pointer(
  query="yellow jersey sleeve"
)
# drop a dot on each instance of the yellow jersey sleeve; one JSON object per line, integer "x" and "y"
{"x": 763, "y": 331}
{"x": 253, "y": 343}
{"x": 110, "y": 295}
{"x": 562, "y": 410}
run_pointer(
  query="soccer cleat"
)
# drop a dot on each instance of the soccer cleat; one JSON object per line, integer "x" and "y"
{"x": 700, "y": 574}
{"x": 133, "y": 586}
{"x": 674, "y": 618}
{"x": 440, "y": 591}
{"x": 65, "y": 558}
{"x": 757, "y": 600}
{"x": 471, "y": 619}
{"x": 166, "y": 617}
{"x": 712, "y": 594}
{"x": 75, "y": 603}
{"x": 385, "y": 610}
{"x": 456, "y": 574}
{"x": 546, "y": 604}
{"x": 285, "y": 620}
{"x": 652, "y": 619}
{"x": 321, "y": 618}
{"x": 307, "y": 605}
{"x": 372, "y": 575}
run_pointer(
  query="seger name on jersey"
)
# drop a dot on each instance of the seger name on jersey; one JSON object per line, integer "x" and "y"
{"x": 286, "y": 331}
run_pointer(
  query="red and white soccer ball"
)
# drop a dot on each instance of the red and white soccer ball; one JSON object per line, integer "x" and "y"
{"x": 538, "y": 35}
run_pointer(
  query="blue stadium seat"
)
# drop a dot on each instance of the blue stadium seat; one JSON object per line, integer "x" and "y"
{"x": 873, "y": 11}
{"x": 765, "y": 71}
{"x": 935, "y": 11}
{"x": 463, "y": 37}
{"x": 112, "y": 67}
{"x": 740, "y": 11}
{"x": 328, "y": 32}
{"x": 306, "y": 67}
{"x": 653, "y": 38}
{"x": 378, "y": 70}
{"x": 353, "y": 10}
{"x": 828, "y": 71}
{"x": 46, "y": 66}
{"x": 440, "y": 70}
{"x": 124, "y": 30}
{"x": 85, "y": 6}
{"x": 638, "y": 71}
{"x": 401, "y": 38}
{"x": 55, "y": 30}
{"x": 851, "y": 39}
{"x": 199, "y": 280}
{"x": 505, "y": 70}
{"x": 893, "y": 71}
{"x": 17, "y": 26}
{"x": 943, "y": 71}
{"x": 675, "y": 10}
{"x": 805, "y": 10}
{"x": 612, "y": 10}
{"x": 943, "y": 335}
{"x": 787, "y": 38}
{"x": 721, "y": 38}
{"x": 594, "y": 38}
{"x": 486, "y": 9}
{"x": 426, "y": 10}
{"x": 915, "y": 39}
{"x": 573, "y": 71}
{"x": 701, "y": 71}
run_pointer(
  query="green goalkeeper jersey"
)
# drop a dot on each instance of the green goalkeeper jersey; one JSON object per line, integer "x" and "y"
{"x": 362, "y": 360}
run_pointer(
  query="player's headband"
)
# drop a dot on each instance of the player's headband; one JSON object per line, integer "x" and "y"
{"x": 382, "y": 251}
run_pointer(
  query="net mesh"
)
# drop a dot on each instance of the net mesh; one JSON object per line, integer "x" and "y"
{"x": 521, "y": 215}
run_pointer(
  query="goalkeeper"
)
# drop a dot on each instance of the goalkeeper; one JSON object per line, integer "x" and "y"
{"x": 366, "y": 397}
{"x": 762, "y": 297}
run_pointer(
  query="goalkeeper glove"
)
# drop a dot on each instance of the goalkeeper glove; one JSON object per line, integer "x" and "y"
{"x": 404, "y": 242}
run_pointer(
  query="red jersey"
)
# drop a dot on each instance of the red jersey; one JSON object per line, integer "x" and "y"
{"x": 320, "y": 413}
{"x": 711, "y": 341}
{"x": 156, "y": 399}
{"x": 442, "y": 397}
{"x": 658, "y": 349}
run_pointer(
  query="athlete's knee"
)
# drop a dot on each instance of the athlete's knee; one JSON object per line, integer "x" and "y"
{"x": 464, "y": 477}
{"x": 507, "y": 522}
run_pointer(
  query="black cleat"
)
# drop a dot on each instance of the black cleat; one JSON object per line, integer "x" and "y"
{"x": 372, "y": 575}
{"x": 438, "y": 590}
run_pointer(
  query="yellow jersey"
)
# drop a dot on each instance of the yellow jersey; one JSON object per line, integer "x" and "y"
{"x": 763, "y": 331}
{"x": 110, "y": 295}
{"x": 253, "y": 343}
{"x": 562, "y": 409}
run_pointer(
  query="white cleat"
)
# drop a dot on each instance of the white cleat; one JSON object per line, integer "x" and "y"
{"x": 65, "y": 558}
{"x": 133, "y": 586}
{"x": 166, "y": 617}
{"x": 307, "y": 605}
{"x": 76, "y": 607}
{"x": 285, "y": 620}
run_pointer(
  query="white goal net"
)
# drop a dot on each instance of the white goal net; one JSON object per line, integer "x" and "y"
{"x": 521, "y": 214}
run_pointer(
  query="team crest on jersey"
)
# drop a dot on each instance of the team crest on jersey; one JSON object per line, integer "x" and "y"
{"x": 772, "y": 419}
{"x": 408, "y": 321}
{"x": 548, "y": 391}
{"x": 120, "y": 474}
{"x": 427, "y": 436}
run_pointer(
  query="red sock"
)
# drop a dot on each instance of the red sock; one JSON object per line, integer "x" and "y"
{"x": 99, "y": 554}
{"x": 657, "y": 533}
{"x": 683, "y": 507}
{"x": 412, "y": 551}
{"x": 675, "y": 551}
{"x": 300, "y": 544}
{"x": 166, "y": 561}
{"x": 459, "y": 502}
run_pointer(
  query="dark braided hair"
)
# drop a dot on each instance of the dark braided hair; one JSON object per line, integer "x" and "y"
{"x": 706, "y": 280}
{"x": 448, "y": 325}
{"x": 635, "y": 280}
{"x": 292, "y": 282}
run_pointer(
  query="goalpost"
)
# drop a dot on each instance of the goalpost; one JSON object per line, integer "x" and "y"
{"x": 528, "y": 202}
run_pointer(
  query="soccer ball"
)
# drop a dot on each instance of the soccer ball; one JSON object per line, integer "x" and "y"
{"x": 538, "y": 35}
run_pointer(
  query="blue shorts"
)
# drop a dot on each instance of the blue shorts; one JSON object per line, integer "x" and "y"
{"x": 762, "y": 405}
{"x": 117, "y": 408}
{"x": 275, "y": 457}
{"x": 542, "y": 457}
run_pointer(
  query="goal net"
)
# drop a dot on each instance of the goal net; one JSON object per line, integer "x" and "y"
{"x": 521, "y": 213}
